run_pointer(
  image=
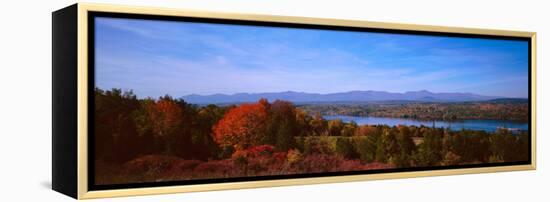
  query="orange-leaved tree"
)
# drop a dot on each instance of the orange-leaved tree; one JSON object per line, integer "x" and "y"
{"x": 242, "y": 126}
{"x": 163, "y": 118}
{"x": 167, "y": 116}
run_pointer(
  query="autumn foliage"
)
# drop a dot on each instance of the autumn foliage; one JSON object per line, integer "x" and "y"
{"x": 242, "y": 126}
{"x": 165, "y": 116}
{"x": 165, "y": 139}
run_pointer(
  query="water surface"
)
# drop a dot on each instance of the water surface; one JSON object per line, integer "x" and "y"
{"x": 472, "y": 124}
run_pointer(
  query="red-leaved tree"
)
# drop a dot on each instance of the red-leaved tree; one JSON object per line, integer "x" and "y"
{"x": 242, "y": 126}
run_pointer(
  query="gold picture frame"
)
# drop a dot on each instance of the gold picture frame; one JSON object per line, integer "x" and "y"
{"x": 75, "y": 19}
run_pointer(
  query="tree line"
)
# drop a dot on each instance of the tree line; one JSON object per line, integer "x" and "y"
{"x": 127, "y": 128}
{"x": 514, "y": 110}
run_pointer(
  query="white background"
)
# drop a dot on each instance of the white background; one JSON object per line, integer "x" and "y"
{"x": 25, "y": 100}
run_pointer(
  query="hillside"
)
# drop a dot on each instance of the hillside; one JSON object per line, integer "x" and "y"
{"x": 351, "y": 96}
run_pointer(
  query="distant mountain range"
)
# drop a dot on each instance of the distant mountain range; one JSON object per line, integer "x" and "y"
{"x": 351, "y": 96}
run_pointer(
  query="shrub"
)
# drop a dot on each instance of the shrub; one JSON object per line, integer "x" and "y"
{"x": 181, "y": 168}
{"x": 252, "y": 152}
{"x": 299, "y": 143}
{"x": 344, "y": 148}
{"x": 400, "y": 160}
{"x": 185, "y": 164}
{"x": 261, "y": 150}
{"x": 149, "y": 164}
{"x": 495, "y": 159}
{"x": 293, "y": 156}
{"x": 350, "y": 165}
{"x": 316, "y": 163}
{"x": 212, "y": 169}
{"x": 450, "y": 159}
{"x": 240, "y": 158}
{"x": 318, "y": 145}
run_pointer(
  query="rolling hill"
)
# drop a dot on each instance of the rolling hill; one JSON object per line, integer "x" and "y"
{"x": 351, "y": 96}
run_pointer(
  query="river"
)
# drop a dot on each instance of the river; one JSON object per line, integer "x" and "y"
{"x": 472, "y": 124}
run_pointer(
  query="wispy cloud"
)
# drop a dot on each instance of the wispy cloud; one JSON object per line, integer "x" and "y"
{"x": 155, "y": 58}
{"x": 125, "y": 25}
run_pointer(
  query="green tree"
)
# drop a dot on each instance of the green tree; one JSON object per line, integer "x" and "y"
{"x": 381, "y": 155}
{"x": 344, "y": 148}
{"x": 389, "y": 140}
{"x": 282, "y": 125}
{"x": 285, "y": 136}
{"x": 366, "y": 146}
{"x": 406, "y": 147}
{"x": 429, "y": 151}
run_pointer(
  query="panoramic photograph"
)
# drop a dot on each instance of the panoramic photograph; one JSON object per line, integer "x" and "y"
{"x": 180, "y": 101}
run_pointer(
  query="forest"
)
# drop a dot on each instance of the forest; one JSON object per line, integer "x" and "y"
{"x": 168, "y": 139}
{"x": 499, "y": 109}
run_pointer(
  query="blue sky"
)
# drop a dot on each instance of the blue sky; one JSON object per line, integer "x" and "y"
{"x": 155, "y": 58}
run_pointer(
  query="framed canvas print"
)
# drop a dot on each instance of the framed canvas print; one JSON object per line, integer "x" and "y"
{"x": 151, "y": 100}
